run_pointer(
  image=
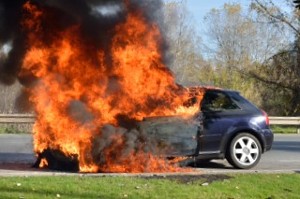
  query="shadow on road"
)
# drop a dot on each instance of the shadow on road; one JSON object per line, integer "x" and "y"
{"x": 290, "y": 146}
{"x": 17, "y": 167}
{"x": 17, "y": 158}
{"x": 209, "y": 164}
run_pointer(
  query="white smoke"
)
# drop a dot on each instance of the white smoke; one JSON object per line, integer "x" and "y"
{"x": 5, "y": 49}
{"x": 107, "y": 10}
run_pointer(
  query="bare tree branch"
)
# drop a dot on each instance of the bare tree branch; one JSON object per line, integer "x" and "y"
{"x": 276, "y": 17}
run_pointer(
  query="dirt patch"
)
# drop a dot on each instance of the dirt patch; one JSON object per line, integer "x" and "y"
{"x": 183, "y": 178}
{"x": 192, "y": 179}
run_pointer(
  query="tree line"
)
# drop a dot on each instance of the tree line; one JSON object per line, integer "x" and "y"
{"x": 253, "y": 49}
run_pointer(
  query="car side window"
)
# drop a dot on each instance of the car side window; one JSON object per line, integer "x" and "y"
{"x": 217, "y": 101}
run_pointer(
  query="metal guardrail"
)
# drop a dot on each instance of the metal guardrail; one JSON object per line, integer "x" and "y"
{"x": 290, "y": 121}
{"x": 17, "y": 118}
{"x": 16, "y": 123}
{"x": 30, "y": 118}
{"x": 285, "y": 120}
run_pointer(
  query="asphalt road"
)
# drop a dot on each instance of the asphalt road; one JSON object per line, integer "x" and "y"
{"x": 284, "y": 156}
{"x": 16, "y": 148}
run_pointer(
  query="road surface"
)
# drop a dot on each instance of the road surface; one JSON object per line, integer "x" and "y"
{"x": 284, "y": 156}
{"x": 16, "y": 148}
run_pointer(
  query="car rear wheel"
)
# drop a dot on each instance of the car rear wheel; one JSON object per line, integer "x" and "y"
{"x": 244, "y": 151}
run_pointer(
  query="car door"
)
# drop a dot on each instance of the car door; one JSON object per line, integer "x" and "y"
{"x": 174, "y": 135}
{"x": 218, "y": 115}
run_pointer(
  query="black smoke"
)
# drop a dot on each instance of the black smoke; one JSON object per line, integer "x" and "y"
{"x": 97, "y": 18}
{"x": 11, "y": 34}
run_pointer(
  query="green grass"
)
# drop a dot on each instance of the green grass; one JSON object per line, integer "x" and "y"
{"x": 11, "y": 130}
{"x": 283, "y": 129}
{"x": 237, "y": 186}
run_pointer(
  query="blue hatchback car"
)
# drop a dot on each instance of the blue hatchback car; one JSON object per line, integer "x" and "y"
{"x": 227, "y": 126}
{"x": 233, "y": 128}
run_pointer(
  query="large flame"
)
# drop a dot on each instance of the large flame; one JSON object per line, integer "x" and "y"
{"x": 76, "y": 91}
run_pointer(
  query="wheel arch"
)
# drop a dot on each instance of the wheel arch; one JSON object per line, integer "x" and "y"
{"x": 225, "y": 145}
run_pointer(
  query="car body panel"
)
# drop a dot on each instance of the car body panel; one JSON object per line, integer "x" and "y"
{"x": 207, "y": 135}
{"x": 175, "y": 136}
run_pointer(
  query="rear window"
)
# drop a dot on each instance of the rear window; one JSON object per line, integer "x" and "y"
{"x": 243, "y": 102}
{"x": 217, "y": 101}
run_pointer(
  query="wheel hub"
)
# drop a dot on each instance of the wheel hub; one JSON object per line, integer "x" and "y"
{"x": 246, "y": 150}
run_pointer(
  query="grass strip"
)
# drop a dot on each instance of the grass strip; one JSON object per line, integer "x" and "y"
{"x": 281, "y": 129}
{"x": 204, "y": 186}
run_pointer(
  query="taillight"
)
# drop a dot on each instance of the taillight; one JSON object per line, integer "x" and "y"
{"x": 266, "y": 117}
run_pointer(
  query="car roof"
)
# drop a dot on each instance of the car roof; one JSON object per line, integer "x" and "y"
{"x": 212, "y": 88}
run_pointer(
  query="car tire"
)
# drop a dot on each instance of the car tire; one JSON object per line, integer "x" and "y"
{"x": 244, "y": 151}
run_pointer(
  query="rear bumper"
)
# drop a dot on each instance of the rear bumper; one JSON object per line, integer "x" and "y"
{"x": 268, "y": 138}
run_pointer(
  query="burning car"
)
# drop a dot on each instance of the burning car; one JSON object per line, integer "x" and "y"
{"x": 227, "y": 126}
{"x": 93, "y": 70}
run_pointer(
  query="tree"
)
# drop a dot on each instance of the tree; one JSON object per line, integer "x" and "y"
{"x": 297, "y": 4}
{"x": 237, "y": 45}
{"x": 281, "y": 71}
{"x": 184, "y": 44}
{"x": 250, "y": 54}
{"x": 8, "y": 98}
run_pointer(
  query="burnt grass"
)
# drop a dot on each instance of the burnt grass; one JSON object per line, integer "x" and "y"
{"x": 190, "y": 179}
{"x": 182, "y": 178}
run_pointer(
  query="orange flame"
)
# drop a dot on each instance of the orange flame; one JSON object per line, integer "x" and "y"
{"x": 43, "y": 163}
{"x": 68, "y": 71}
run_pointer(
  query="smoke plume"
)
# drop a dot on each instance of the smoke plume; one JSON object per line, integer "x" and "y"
{"x": 92, "y": 69}
{"x": 97, "y": 18}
